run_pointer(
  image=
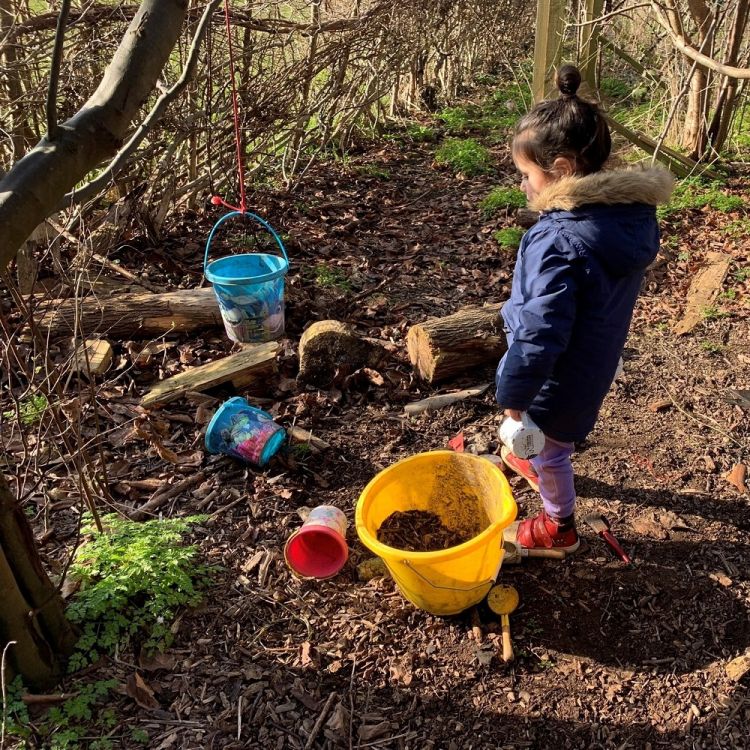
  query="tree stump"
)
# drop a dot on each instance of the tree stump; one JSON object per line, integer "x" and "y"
{"x": 442, "y": 347}
{"x": 329, "y": 350}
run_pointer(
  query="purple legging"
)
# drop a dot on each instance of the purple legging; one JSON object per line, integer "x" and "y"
{"x": 555, "y": 470}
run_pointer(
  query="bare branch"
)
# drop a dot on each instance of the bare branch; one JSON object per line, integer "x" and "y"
{"x": 612, "y": 14}
{"x": 680, "y": 43}
{"x": 31, "y": 189}
{"x": 54, "y": 75}
{"x": 102, "y": 180}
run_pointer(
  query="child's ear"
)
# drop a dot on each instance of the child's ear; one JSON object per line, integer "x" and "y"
{"x": 563, "y": 166}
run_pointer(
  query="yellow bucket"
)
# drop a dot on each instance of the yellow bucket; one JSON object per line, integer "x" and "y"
{"x": 470, "y": 495}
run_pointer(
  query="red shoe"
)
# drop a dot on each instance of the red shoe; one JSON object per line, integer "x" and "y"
{"x": 521, "y": 466}
{"x": 544, "y": 532}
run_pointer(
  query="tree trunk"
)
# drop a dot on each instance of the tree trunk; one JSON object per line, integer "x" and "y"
{"x": 32, "y": 188}
{"x": 442, "y": 347}
{"x": 695, "y": 135}
{"x": 33, "y": 613}
{"x": 726, "y": 99}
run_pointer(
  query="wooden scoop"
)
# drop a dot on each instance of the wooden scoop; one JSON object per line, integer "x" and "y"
{"x": 502, "y": 600}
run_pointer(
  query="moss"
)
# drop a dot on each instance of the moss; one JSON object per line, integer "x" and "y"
{"x": 501, "y": 197}
{"x": 467, "y": 156}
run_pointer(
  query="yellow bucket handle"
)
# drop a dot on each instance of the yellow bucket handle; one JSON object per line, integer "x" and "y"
{"x": 488, "y": 582}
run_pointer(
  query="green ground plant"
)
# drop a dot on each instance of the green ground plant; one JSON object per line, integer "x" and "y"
{"x": 712, "y": 312}
{"x": 30, "y": 409}
{"x": 467, "y": 157}
{"x": 737, "y": 229}
{"x": 70, "y": 725}
{"x": 694, "y": 192}
{"x": 501, "y": 198}
{"x": 509, "y": 238}
{"x": 421, "y": 133}
{"x": 457, "y": 119}
{"x": 330, "y": 276}
{"x": 374, "y": 170}
{"x": 133, "y": 579}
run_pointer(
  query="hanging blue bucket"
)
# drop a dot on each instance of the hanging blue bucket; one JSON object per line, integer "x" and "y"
{"x": 249, "y": 288}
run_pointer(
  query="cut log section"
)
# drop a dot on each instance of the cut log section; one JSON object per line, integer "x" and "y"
{"x": 132, "y": 315}
{"x": 93, "y": 357}
{"x": 253, "y": 365}
{"x": 330, "y": 350}
{"x": 442, "y": 347}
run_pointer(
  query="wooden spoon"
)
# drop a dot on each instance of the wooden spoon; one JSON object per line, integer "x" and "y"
{"x": 502, "y": 600}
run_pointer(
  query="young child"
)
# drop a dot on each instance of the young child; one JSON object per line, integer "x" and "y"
{"x": 577, "y": 277}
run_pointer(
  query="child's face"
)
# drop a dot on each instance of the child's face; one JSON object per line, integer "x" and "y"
{"x": 533, "y": 178}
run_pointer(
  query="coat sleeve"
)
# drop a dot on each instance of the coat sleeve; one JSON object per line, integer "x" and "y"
{"x": 545, "y": 322}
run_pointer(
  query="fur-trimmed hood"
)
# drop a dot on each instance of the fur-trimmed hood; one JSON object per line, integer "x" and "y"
{"x": 649, "y": 186}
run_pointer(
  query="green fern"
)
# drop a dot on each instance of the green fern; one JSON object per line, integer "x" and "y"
{"x": 134, "y": 577}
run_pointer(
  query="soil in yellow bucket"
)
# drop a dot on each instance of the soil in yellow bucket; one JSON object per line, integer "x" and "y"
{"x": 418, "y": 531}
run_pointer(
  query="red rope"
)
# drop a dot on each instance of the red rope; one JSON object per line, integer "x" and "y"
{"x": 216, "y": 200}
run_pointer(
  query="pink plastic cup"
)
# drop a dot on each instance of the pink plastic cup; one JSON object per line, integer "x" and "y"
{"x": 318, "y": 548}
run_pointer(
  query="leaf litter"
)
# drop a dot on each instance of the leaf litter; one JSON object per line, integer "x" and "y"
{"x": 606, "y": 656}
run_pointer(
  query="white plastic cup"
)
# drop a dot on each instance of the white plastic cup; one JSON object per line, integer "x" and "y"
{"x": 524, "y": 439}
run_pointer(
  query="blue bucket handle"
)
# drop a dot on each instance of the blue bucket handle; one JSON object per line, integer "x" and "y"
{"x": 253, "y": 216}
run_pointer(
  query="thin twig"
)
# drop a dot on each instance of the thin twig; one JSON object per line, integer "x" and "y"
{"x": 715, "y": 426}
{"x": 319, "y": 722}
{"x": 351, "y": 701}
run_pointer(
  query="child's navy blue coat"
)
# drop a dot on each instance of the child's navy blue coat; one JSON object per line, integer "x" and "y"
{"x": 577, "y": 277}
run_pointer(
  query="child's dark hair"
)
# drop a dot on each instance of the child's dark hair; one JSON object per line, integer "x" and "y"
{"x": 569, "y": 126}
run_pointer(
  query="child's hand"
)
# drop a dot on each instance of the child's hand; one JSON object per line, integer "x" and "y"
{"x": 513, "y": 414}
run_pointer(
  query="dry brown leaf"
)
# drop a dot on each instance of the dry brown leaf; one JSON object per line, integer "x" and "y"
{"x": 660, "y": 405}
{"x": 649, "y": 527}
{"x": 373, "y": 731}
{"x": 190, "y": 458}
{"x": 157, "y": 660}
{"x": 307, "y": 654}
{"x": 166, "y": 454}
{"x": 338, "y": 721}
{"x": 737, "y": 476}
{"x": 140, "y": 692}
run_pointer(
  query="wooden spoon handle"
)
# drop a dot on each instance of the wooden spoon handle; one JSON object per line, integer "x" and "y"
{"x": 550, "y": 554}
{"x": 507, "y": 645}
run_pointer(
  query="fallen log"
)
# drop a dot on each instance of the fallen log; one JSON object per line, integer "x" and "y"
{"x": 704, "y": 289}
{"x": 131, "y": 315}
{"x": 252, "y": 365}
{"x": 442, "y": 347}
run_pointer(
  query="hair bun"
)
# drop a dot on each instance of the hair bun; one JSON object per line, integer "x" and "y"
{"x": 568, "y": 80}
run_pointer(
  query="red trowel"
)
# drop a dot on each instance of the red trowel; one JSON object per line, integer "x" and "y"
{"x": 601, "y": 526}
